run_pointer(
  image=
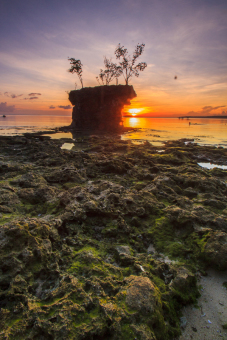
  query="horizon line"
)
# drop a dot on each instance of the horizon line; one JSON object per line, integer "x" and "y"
{"x": 180, "y": 117}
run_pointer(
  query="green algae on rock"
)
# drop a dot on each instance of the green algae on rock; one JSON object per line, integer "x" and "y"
{"x": 105, "y": 242}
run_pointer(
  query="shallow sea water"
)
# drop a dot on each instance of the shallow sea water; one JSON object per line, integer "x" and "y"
{"x": 158, "y": 130}
{"x": 13, "y": 125}
{"x": 155, "y": 130}
{"x": 212, "y": 166}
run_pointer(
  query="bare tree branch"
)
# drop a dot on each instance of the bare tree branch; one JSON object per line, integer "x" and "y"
{"x": 127, "y": 63}
{"x": 110, "y": 72}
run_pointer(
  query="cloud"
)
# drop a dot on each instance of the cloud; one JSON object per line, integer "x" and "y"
{"x": 206, "y": 110}
{"x": 15, "y": 96}
{"x": 4, "y": 108}
{"x": 12, "y": 95}
{"x": 52, "y": 107}
{"x": 31, "y": 98}
{"x": 66, "y": 107}
{"x": 34, "y": 94}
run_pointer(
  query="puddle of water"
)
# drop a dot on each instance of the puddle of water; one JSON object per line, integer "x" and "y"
{"x": 212, "y": 166}
{"x": 189, "y": 142}
{"x": 59, "y": 135}
{"x": 74, "y": 146}
{"x": 67, "y": 146}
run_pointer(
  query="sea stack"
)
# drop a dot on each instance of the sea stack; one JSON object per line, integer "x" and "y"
{"x": 99, "y": 108}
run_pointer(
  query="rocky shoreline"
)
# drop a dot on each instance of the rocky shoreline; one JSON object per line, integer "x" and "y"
{"x": 106, "y": 242}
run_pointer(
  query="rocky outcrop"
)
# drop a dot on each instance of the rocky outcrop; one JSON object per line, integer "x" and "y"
{"x": 99, "y": 108}
{"x": 103, "y": 243}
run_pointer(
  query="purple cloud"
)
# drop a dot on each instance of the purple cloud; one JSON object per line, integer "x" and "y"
{"x": 51, "y": 107}
{"x": 34, "y": 94}
{"x": 15, "y": 96}
{"x": 12, "y": 95}
{"x": 4, "y": 108}
{"x": 31, "y": 98}
{"x": 66, "y": 107}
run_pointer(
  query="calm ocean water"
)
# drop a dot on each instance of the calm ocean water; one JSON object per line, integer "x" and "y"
{"x": 155, "y": 130}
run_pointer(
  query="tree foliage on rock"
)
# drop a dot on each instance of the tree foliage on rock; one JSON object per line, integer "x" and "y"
{"x": 127, "y": 63}
{"x": 127, "y": 66}
{"x": 76, "y": 68}
{"x": 110, "y": 72}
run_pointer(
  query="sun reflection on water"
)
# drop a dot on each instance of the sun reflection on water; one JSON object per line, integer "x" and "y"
{"x": 133, "y": 122}
{"x": 158, "y": 130}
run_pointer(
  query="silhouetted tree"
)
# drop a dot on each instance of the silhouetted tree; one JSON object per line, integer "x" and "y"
{"x": 127, "y": 63}
{"x": 76, "y": 68}
{"x": 110, "y": 72}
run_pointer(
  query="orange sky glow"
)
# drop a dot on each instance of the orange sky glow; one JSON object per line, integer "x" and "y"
{"x": 185, "y": 51}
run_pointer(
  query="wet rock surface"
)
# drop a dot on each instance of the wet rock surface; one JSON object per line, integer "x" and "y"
{"x": 105, "y": 244}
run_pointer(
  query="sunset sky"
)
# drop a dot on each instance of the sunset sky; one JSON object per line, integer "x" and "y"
{"x": 185, "y": 39}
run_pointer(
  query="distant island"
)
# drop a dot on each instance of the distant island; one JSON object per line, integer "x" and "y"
{"x": 217, "y": 117}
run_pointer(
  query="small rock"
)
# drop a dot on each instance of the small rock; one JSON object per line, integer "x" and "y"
{"x": 183, "y": 322}
{"x": 123, "y": 250}
{"x": 151, "y": 249}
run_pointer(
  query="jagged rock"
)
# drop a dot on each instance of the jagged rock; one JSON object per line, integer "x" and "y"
{"x": 29, "y": 180}
{"x": 143, "y": 332}
{"x": 215, "y": 203}
{"x": 8, "y": 198}
{"x": 190, "y": 192}
{"x": 126, "y": 250}
{"x": 124, "y": 255}
{"x": 184, "y": 279}
{"x": 141, "y": 295}
{"x": 99, "y": 108}
{"x": 65, "y": 175}
{"x": 215, "y": 250}
{"x": 39, "y": 195}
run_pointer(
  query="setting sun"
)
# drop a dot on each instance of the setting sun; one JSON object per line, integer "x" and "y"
{"x": 134, "y": 111}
